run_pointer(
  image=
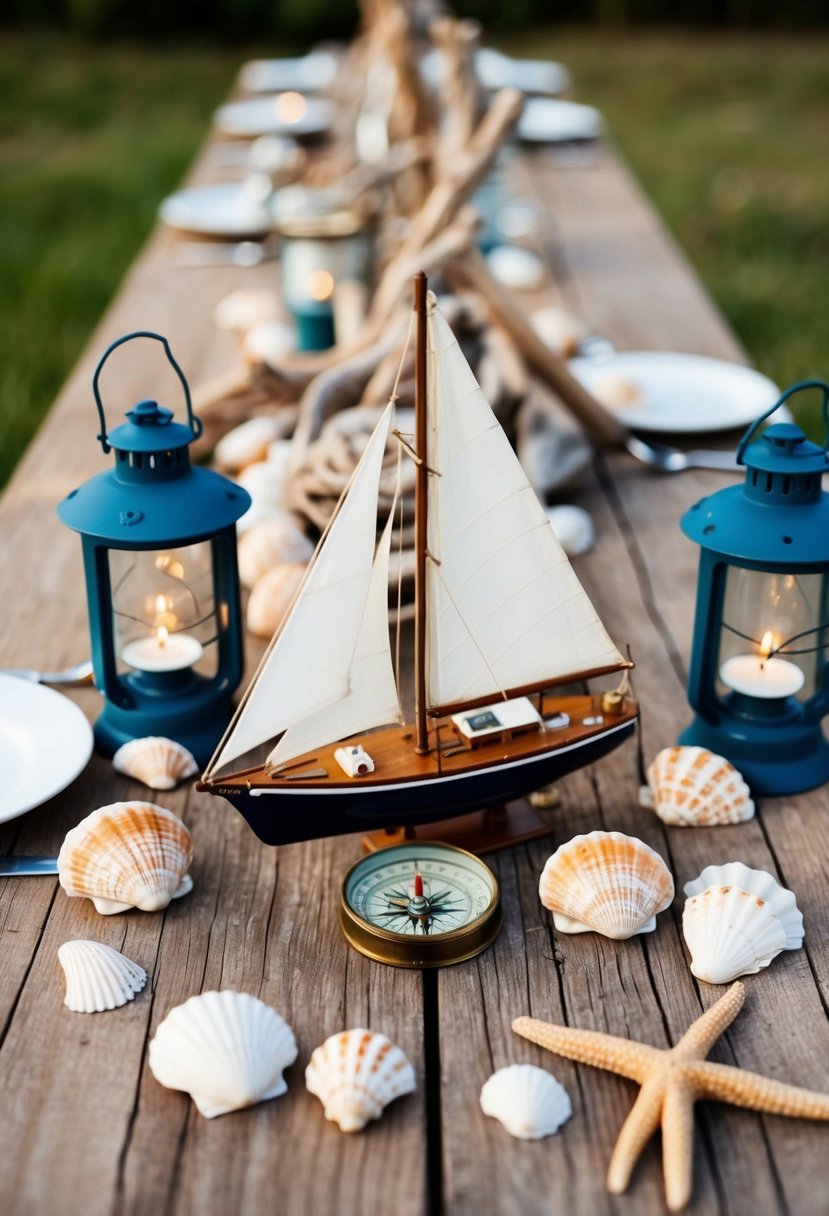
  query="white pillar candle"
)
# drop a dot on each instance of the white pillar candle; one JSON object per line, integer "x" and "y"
{"x": 162, "y": 652}
{"x": 756, "y": 676}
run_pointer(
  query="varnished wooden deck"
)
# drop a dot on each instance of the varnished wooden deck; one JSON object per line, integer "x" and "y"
{"x": 395, "y": 758}
{"x": 85, "y": 1127}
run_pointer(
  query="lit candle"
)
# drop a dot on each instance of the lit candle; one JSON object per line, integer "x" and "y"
{"x": 758, "y": 675}
{"x": 162, "y": 651}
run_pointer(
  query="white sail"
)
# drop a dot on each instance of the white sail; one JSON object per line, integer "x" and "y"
{"x": 505, "y": 609}
{"x": 372, "y": 697}
{"x": 309, "y": 664}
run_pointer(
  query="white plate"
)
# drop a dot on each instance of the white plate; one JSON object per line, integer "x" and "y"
{"x": 279, "y": 115}
{"x": 45, "y": 742}
{"x": 547, "y": 120}
{"x": 223, "y": 210}
{"x": 683, "y": 393}
{"x": 311, "y": 74}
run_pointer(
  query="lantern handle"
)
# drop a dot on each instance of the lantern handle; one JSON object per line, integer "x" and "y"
{"x": 196, "y": 425}
{"x": 790, "y": 392}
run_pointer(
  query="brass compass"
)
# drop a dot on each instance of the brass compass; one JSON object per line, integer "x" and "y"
{"x": 420, "y": 904}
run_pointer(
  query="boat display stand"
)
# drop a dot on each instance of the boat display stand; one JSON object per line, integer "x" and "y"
{"x": 484, "y": 831}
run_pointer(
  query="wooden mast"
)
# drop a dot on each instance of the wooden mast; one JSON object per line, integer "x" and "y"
{"x": 421, "y": 516}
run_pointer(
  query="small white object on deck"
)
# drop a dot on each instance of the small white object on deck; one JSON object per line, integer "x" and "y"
{"x": 518, "y": 714}
{"x": 355, "y": 761}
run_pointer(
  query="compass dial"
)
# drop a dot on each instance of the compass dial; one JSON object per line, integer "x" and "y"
{"x": 420, "y": 904}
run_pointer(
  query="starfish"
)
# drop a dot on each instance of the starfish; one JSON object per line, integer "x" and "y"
{"x": 671, "y": 1082}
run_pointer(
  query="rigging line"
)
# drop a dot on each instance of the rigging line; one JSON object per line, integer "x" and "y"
{"x": 399, "y": 609}
{"x": 231, "y": 726}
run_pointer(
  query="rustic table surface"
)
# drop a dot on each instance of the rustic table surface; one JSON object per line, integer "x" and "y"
{"x": 86, "y": 1128}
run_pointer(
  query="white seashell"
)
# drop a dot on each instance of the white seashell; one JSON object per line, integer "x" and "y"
{"x": 268, "y": 342}
{"x": 226, "y": 1049}
{"x": 264, "y": 482}
{"x": 355, "y": 1074}
{"x": 517, "y": 268}
{"x": 729, "y": 933}
{"x": 272, "y": 542}
{"x": 528, "y": 1101}
{"x": 765, "y": 886}
{"x": 256, "y": 512}
{"x": 242, "y": 310}
{"x": 617, "y": 392}
{"x": 559, "y": 329}
{"x": 605, "y": 882}
{"x": 247, "y": 443}
{"x": 692, "y": 787}
{"x": 573, "y": 529}
{"x": 127, "y": 855}
{"x": 98, "y": 977}
{"x": 272, "y": 597}
{"x": 160, "y": 763}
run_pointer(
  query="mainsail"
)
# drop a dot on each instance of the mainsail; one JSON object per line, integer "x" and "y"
{"x": 505, "y": 609}
{"x": 311, "y": 663}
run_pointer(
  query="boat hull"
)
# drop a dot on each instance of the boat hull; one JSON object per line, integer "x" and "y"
{"x": 285, "y": 815}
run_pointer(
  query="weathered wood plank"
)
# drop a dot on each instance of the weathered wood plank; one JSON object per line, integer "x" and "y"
{"x": 627, "y": 278}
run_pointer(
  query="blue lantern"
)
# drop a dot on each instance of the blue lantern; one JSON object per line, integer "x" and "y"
{"x": 159, "y": 546}
{"x": 758, "y": 679}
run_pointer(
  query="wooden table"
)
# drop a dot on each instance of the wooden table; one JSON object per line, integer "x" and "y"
{"x": 85, "y": 1126}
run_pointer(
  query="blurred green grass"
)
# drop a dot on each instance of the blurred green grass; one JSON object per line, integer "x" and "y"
{"x": 727, "y": 134}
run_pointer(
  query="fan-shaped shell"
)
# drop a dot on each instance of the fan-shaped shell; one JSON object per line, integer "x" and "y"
{"x": 765, "y": 886}
{"x": 160, "y": 763}
{"x": 693, "y": 787}
{"x": 127, "y": 855}
{"x": 272, "y": 597}
{"x": 226, "y": 1049}
{"x": 729, "y": 933}
{"x": 528, "y": 1101}
{"x": 98, "y": 977}
{"x": 355, "y": 1074}
{"x": 606, "y": 882}
{"x": 270, "y": 543}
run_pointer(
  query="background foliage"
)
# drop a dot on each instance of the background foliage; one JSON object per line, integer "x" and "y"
{"x": 727, "y": 133}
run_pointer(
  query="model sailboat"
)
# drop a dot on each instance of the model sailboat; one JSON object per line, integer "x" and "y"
{"x": 500, "y": 617}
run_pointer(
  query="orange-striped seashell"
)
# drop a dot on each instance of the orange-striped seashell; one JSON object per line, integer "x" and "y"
{"x": 693, "y": 787}
{"x": 606, "y": 882}
{"x": 356, "y": 1074}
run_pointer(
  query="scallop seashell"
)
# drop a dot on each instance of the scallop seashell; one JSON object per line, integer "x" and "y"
{"x": 268, "y": 342}
{"x": 692, "y": 787}
{"x": 355, "y": 1074}
{"x": 160, "y": 763}
{"x": 606, "y": 882}
{"x": 264, "y": 481}
{"x": 559, "y": 329}
{"x": 226, "y": 1049}
{"x": 270, "y": 543}
{"x": 573, "y": 529}
{"x": 729, "y": 933}
{"x": 528, "y": 1101}
{"x": 127, "y": 855}
{"x": 272, "y": 597}
{"x": 617, "y": 392}
{"x": 98, "y": 977}
{"x": 765, "y": 886}
{"x": 242, "y": 310}
{"x": 246, "y": 444}
{"x": 517, "y": 268}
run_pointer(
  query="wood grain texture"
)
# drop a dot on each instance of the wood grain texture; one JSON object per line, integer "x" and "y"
{"x": 83, "y": 1115}
{"x": 626, "y": 277}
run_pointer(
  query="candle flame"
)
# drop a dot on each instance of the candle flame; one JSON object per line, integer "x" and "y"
{"x": 161, "y": 637}
{"x": 321, "y": 284}
{"x": 291, "y": 107}
{"x": 162, "y": 604}
{"x": 767, "y": 644}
